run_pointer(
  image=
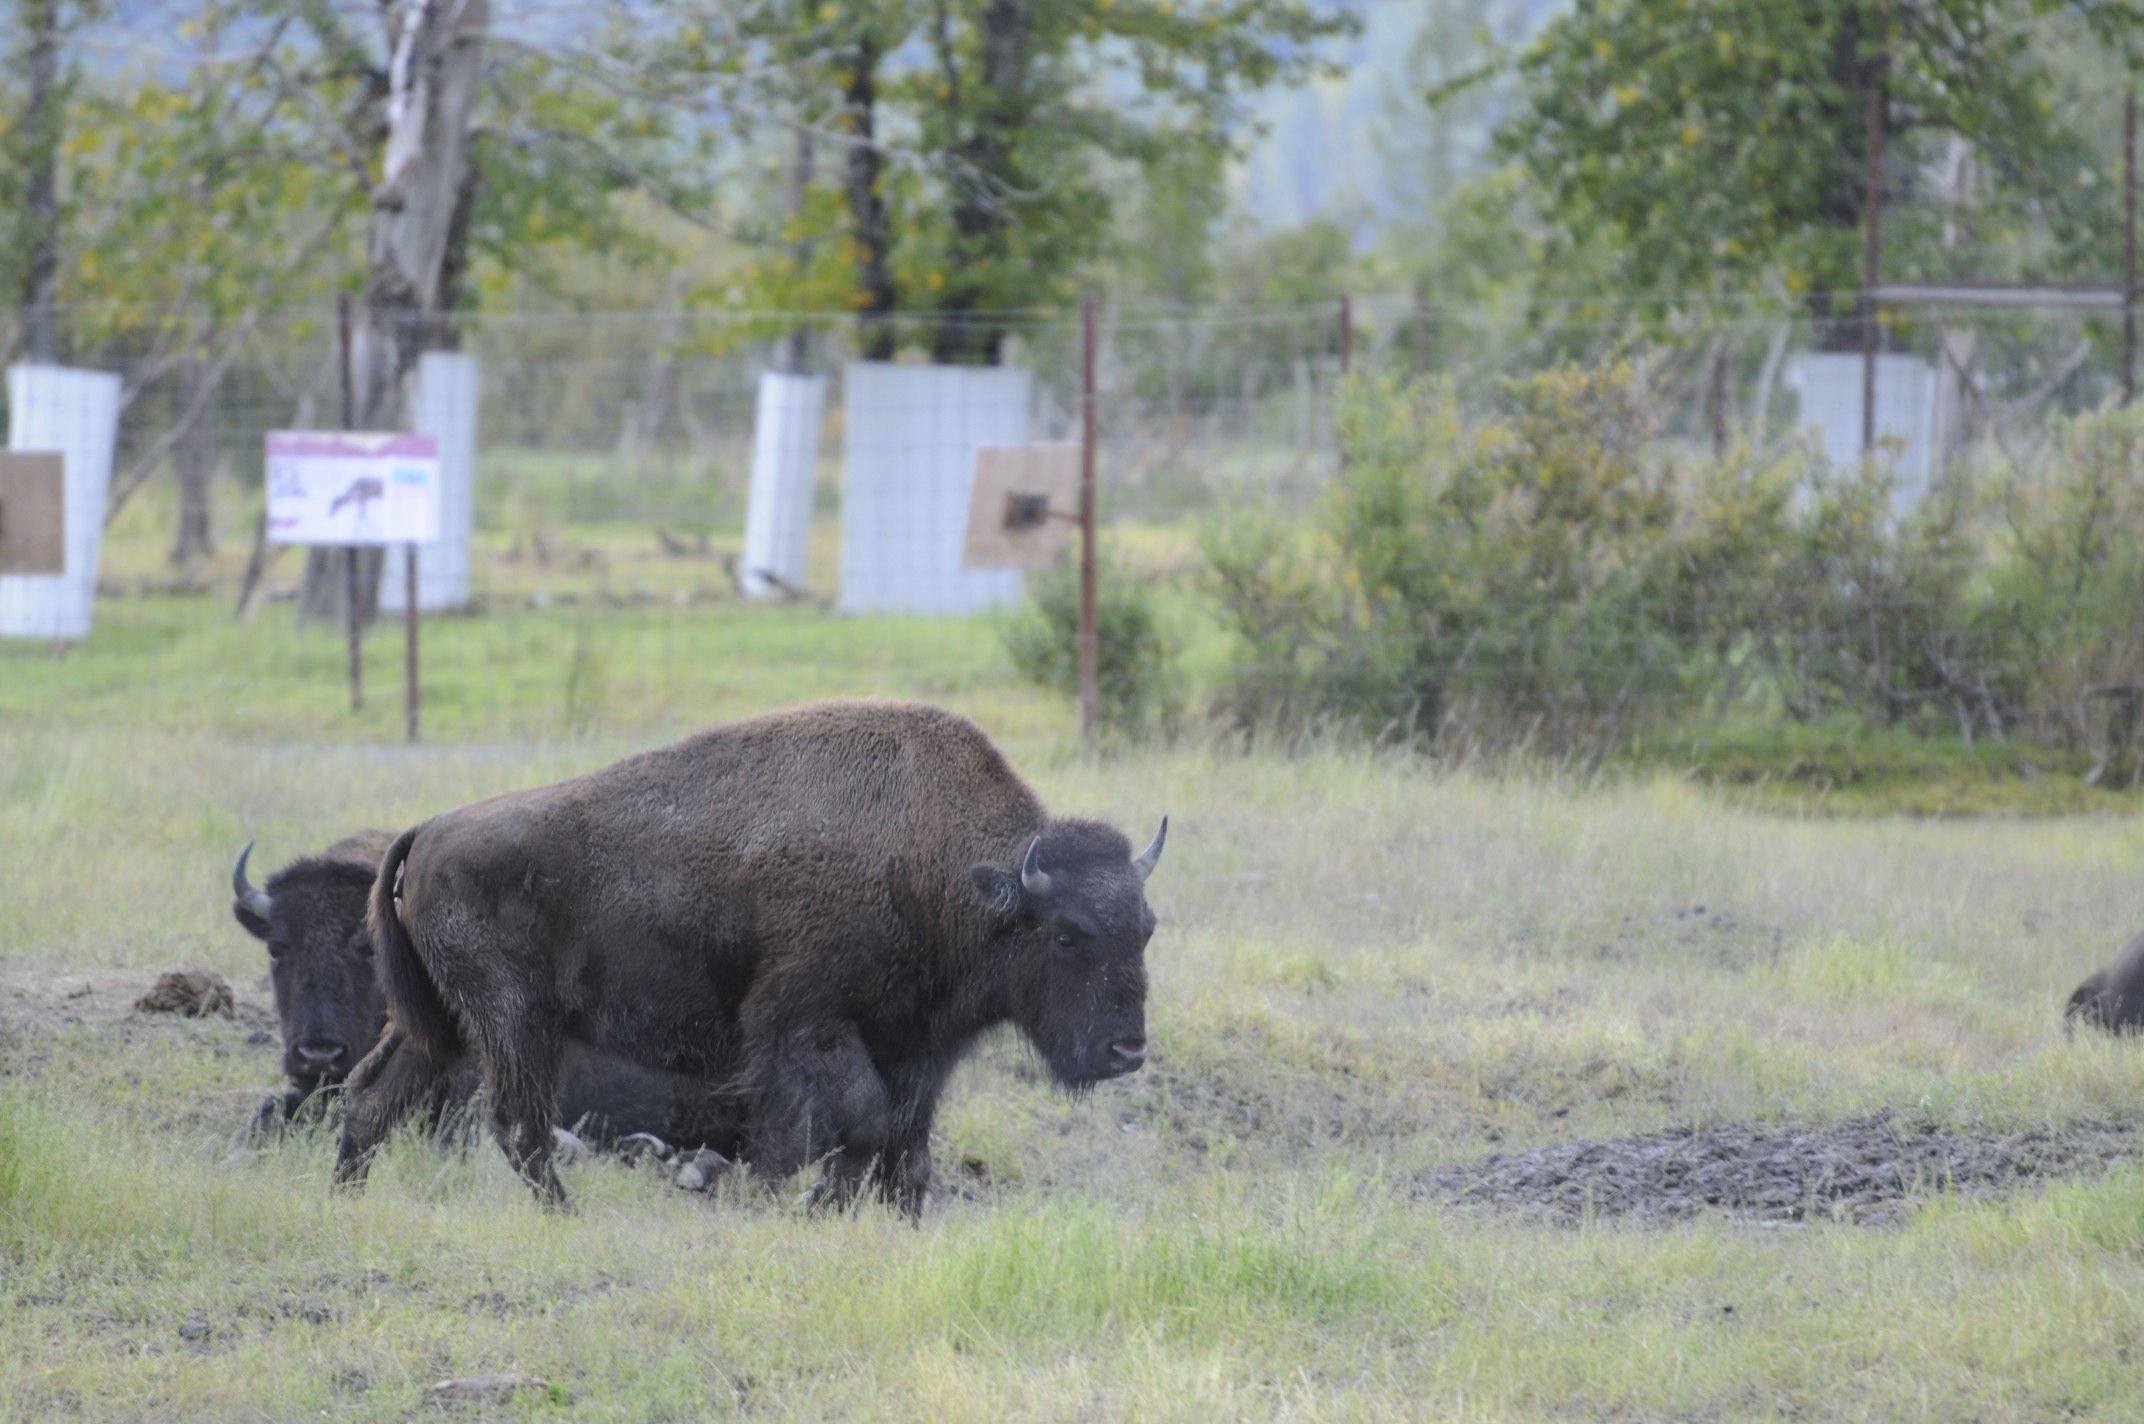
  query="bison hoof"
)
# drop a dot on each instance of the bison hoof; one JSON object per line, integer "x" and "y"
{"x": 642, "y": 1145}
{"x": 701, "y": 1169}
{"x": 567, "y": 1149}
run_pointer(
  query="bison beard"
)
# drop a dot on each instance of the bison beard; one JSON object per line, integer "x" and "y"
{"x": 820, "y": 910}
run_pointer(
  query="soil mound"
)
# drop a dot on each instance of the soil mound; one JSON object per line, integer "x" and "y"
{"x": 1864, "y": 1170}
{"x": 196, "y": 993}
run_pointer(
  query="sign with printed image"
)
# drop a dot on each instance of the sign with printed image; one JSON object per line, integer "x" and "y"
{"x": 347, "y": 487}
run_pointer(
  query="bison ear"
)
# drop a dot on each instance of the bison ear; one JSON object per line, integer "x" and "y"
{"x": 255, "y": 925}
{"x": 1000, "y": 889}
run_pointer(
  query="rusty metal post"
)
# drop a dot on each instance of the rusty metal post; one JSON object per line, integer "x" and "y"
{"x": 2129, "y": 245}
{"x": 353, "y": 625}
{"x": 1089, "y": 643}
{"x": 409, "y": 639}
{"x": 1871, "y": 248}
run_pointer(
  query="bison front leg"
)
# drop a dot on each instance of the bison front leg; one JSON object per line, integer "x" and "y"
{"x": 904, "y": 1170}
{"x": 820, "y": 1098}
{"x": 390, "y": 1083}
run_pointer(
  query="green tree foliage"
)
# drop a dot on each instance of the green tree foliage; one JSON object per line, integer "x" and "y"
{"x": 984, "y": 140}
{"x": 1720, "y": 143}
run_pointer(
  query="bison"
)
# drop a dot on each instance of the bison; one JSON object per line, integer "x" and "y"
{"x": 2111, "y": 998}
{"x": 311, "y": 915}
{"x": 821, "y": 909}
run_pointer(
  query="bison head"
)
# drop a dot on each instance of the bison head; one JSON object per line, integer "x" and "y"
{"x": 1074, "y": 926}
{"x": 312, "y": 917}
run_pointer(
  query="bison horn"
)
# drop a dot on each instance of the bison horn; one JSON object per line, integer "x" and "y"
{"x": 250, "y": 895}
{"x": 1032, "y": 878}
{"x": 1151, "y": 856}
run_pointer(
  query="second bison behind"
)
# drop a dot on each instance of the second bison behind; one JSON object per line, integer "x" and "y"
{"x": 822, "y": 909}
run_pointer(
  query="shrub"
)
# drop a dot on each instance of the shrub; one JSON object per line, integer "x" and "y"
{"x": 1550, "y": 576}
{"x": 2065, "y": 592}
{"x": 1135, "y": 666}
{"x": 1537, "y": 578}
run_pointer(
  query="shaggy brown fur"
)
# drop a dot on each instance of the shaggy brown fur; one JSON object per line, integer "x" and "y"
{"x": 820, "y": 909}
{"x": 2112, "y": 998}
{"x": 311, "y": 916}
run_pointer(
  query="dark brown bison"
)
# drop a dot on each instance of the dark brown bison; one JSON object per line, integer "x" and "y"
{"x": 311, "y": 915}
{"x": 2111, "y": 998}
{"x": 821, "y": 909}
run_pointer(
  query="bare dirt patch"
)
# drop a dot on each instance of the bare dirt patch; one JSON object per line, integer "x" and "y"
{"x": 1868, "y": 1170}
{"x": 40, "y": 999}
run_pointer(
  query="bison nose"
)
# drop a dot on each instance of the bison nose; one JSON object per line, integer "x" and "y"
{"x": 320, "y": 1054}
{"x": 1126, "y": 1054}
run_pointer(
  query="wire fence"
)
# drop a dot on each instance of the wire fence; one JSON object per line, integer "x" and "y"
{"x": 614, "y": 450}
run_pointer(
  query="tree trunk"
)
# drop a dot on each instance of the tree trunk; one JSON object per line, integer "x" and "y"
{"x": 793, "y": 352}
{"x": 981, "y": 224}
{"x": 867, "y": 205}
{"x": 193, "y": 462}
{"x": 37, "y": 226}
{"x": 436, "y": 49}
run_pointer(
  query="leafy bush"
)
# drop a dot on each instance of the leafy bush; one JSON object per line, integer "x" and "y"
{"x": 1550, "y": 576}
{"x": 1538, "y": 578}
{"x": 1867, "y": 610}
{"x": 1135, "y": 654}
{"x": 2065, "y": 594}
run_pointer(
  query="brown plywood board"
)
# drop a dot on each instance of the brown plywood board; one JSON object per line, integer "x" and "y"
{"x": 1013, "y": 484}
{"x": 33, "y": 513}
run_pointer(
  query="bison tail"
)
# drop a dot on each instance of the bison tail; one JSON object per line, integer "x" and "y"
{"x": 413, "y": 1002}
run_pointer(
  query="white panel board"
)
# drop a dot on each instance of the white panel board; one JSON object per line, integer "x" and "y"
{"x": 1829, "y": 384}
{"x": 785, "y": 452}
{"x": 911, "y": 433}
{"x": 76, "y": 413}
{"x": 345, "y": 487}
{"x": 443, "y": 406}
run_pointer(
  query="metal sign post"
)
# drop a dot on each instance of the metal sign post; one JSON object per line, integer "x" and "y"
{"x": 1089, "y": 643}
{"x": 352, "y": 490}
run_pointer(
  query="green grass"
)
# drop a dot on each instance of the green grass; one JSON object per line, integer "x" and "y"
{"x": 1849, "y": 768}
{"x": 1366, "y": 968}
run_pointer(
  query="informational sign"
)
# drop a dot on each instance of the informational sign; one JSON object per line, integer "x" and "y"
{"x": 1022, "y": 506}
{"x": 33, "y": 513}
{"x": 346, "y": 487}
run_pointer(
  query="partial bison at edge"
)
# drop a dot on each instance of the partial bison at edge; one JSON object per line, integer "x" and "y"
{"x": 2111, "y": 998}
{"x": 328, "y": 1000}
{"x": 821, "y": 908}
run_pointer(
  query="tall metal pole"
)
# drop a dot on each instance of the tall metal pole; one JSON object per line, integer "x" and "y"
{"x": 1871, "y": 247}
{"x": 2129, "y": 244}
{"x": 409, "y": 639}
{"x": 1089, "y": 644}
{"x": 350, "y": 555}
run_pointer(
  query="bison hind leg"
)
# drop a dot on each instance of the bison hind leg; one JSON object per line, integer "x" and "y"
{"x": 393, "y": 1081}
{"x": 521, "y": 1077}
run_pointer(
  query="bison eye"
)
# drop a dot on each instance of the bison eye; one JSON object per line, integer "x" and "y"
{"x": 276, "y": 948}
{"x": 1064, "y": 941}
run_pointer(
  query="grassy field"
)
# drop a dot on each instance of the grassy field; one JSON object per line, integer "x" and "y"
{"x": 1367, "y": 971}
